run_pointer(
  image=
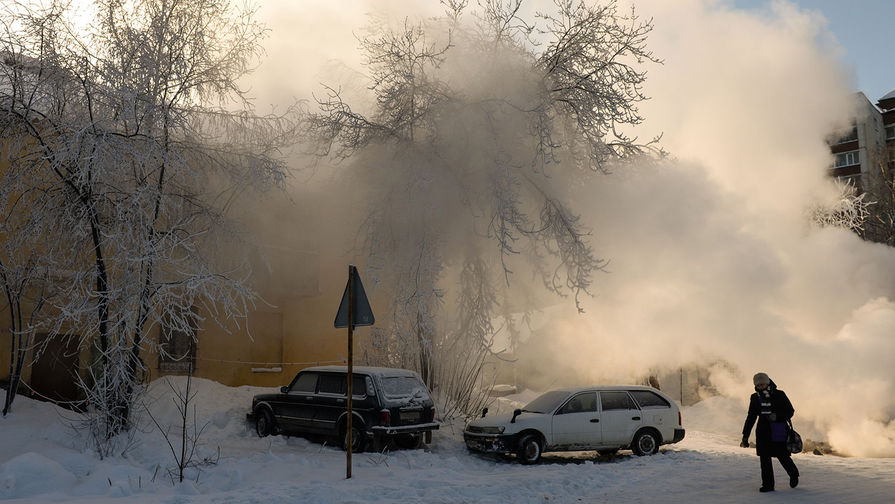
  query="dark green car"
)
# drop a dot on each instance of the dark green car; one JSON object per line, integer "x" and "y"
{"x": 389, "y": 406}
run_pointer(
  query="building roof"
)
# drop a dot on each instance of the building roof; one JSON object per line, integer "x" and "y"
{"x": 889, "y": 95}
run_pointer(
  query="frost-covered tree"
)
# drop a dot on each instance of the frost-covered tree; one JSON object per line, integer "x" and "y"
{"x": 848, "y": 210}
{"x": 24, "y": 277}
{"x": 478, "y": 126}
{"x": 131, "y": 137}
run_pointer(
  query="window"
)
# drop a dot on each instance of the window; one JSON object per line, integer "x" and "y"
{"x": 847, "y": 159}
{"x": 580, "y": 403}
{"x": 306, "y": 383}
{"x": 403, "y": 386}
{"x": 647, "y": 399}
{"x": 850, "y": 137}
{"x": 335, "y": 384}
{"x": 361, "y": 387}
{"x": 331, "y": 384}
{"x": 617, "y": 401}
{"x": 545, "y": 403}
{"x": 890, "y": 132}
{"x": 177, "y": 348}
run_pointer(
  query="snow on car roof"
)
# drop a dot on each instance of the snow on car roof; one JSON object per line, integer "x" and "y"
{"x": 369, "y": 370}
{"x": 608, "y": 387}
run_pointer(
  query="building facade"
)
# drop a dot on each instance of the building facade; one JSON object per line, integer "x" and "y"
{"x": 289, "y": 328}
{"x": 865, "y": 157}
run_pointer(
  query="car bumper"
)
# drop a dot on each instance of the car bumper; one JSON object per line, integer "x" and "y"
{"x": 489, "y": 443}
{"x": 678, "y": 435}
{"x": 404, "y": 429}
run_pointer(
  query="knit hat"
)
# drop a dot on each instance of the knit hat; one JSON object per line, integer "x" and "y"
{"x": 761, "y": 379}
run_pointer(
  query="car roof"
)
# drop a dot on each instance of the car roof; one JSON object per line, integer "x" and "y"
{"x": 572, "y": 390}
{"x": 368, "y": 370}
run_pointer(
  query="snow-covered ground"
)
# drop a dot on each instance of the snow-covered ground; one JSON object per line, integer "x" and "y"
{"x": 43, "y": 461}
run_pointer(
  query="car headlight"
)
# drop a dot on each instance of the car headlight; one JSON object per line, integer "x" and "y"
{"x": 493, "y": 430}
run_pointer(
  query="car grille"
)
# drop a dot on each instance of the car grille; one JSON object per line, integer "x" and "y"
{"x": 474, "y": 429}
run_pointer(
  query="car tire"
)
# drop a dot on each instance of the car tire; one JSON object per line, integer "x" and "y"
{"x": 607, "y": 452}
{"x": 529, "y": 449}
{"x": 409, "y": 441}
{"x": 264, "y": 425}
{"x": 358, "y": 437}
{"x": 646, "y": 442}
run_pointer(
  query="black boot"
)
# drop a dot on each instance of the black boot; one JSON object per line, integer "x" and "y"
{"x": 766, "y": 489}
{"x": 793, "y": 481}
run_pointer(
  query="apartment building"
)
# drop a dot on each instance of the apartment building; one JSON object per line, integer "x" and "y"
{"x": 887, "y": 105}
{"x": 865, "y": 158}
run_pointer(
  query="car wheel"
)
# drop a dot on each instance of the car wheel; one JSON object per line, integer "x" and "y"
{"x": 529, "y": 449}
{"x": 607, "y": 452}
{"x": 357, "y": 438}
{"x": 409, "y": 441}
{"x": 264, "y": 423}
{"x": 646, "y": 442}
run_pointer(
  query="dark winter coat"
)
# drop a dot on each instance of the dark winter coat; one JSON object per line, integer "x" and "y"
{"x": 781, "y": 407}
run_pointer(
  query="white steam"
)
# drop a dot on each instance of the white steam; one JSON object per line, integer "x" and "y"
{"x": 712, "y": 257}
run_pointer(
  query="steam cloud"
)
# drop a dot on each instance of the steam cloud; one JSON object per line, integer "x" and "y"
{"x": 712, "y": 257}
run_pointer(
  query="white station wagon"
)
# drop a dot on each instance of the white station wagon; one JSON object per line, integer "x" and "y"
{"x": 605, "y": 419}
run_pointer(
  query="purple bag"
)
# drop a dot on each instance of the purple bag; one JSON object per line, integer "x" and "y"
{"x": 778, "y": 432}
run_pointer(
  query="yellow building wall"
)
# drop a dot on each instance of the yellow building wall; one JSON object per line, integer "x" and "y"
{"x": 292, "y": 328}
{"x": 294, "y": 333}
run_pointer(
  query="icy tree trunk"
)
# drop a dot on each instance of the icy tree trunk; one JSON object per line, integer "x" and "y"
{"x": 15, "y": 350}
{"x": 424, "y": 343}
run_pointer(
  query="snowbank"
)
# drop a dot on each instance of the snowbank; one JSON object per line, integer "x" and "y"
{"x": 42, "y": 460}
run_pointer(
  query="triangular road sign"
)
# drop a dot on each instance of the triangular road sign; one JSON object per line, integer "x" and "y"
{"x": 363, "y": 314}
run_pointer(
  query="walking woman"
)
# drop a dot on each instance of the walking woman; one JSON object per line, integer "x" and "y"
{"x": 772, "y": 409}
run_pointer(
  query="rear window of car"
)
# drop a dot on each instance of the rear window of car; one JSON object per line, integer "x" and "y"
{"x": 403, "y": 386}
{"x": 617, "y": 400}
{"x": 647, "y": 399}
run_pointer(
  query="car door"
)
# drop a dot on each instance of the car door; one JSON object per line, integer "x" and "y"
{"x": 297, "y": 411}
{"x": 576, "y": 424}
{"x": 620, "y": 417}
{"x": 330, "y": 401}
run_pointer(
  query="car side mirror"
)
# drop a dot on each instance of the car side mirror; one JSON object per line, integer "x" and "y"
{"x": 484, "y": 412}
{"x": 284, "y": 389}
{"x": 516, "y": 413}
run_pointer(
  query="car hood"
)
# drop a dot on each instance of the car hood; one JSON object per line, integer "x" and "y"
{"x": 523, "y": 420}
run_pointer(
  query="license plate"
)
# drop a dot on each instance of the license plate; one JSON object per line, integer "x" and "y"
{"x": 410, "y": 415}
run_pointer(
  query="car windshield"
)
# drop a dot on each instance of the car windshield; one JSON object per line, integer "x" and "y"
{"x": 403, "y": 386}
{"x": 546, "y": 403}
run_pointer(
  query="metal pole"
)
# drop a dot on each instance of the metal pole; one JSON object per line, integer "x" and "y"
{"x": 349, "y": 440}
{"x": 682, "y": 379}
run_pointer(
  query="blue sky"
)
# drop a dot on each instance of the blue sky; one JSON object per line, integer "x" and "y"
{"x": 864, "y": 29}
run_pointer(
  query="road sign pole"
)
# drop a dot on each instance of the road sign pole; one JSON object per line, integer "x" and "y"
{"x": 354, "y": 309}
{"x": 349, "y": 432}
